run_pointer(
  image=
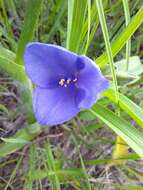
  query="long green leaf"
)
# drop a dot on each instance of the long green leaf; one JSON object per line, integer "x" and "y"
{"x": 17, "y": 72}
{"x": 107, "y": 161}
{"x": 32, "y": 166}
{"x": 27, "y": 133}
{"x": 127, "y": 132}
{"x": 127, "y": 105}
{"x": 29, "y": 26}
{"x": 55, "y": 183}
{"x": 76, "y": 18}
{"x": 127, "y": 19}
{"x": 64, "y": 173}
{"x": 102, "y": 19}
{"x": 121, "y": 40}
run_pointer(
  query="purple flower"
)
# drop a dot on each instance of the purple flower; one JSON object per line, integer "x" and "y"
{"x": 65, "y": 82}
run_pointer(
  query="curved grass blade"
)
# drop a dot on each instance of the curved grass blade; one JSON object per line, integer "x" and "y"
{"x": 55, "y": 183}
{"x": 127, "y": 132}
{"x": 27, "y": 134}
{"x": 121, "y": 40}
{"x": 102, "y": 20}
{"x": 127, "y": 105}
{"x": 15, "y": 71}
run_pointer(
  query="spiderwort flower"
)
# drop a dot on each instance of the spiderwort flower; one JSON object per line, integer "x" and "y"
{"x": 65, "y": 82}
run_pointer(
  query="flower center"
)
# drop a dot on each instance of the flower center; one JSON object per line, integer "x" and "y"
{"x": 65, "y": 82}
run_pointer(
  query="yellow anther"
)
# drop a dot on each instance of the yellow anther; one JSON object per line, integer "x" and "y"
{"x": 61, "y": 82}
{"x": 68, "y": 81}
{"x": 75, "y": 80}
{"x": 65, "y": 83}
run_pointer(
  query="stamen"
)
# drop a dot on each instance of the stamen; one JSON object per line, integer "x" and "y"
{"x": 75, "y": 80}
{"x": 68, "y": 81}
{"x": 61, "y": 82}
{"x": 65, "y": 83}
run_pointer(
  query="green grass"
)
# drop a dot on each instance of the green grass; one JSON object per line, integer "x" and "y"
{"x": 76, "y": 155}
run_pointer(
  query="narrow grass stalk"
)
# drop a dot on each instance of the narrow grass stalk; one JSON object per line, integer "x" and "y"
{"x": 13, "y": 173}
{"x": 121, "y": 40}
{"x": 89, "y": 25}
{"x": 120, "y": 148}
{"x": 102, "y": 20}
{"x": 127, "y": 19}
{"x": 87, "y": 185}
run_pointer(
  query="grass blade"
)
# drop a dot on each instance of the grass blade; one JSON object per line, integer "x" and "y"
{"x": 87, "y": 185}
{"x": 100, "y": 10}
{"x": 26, "y": 133}
{"x": 121, "y": 40}
{"x": 76, "y": 18}
{"x": 17, "y": 72}
{"x": 127, "y": 132}
{"x": 89, "y": 25}
{"x": 127, "y": 105}
{"x": 32, "y": 165}
{"x": 51, "y": 165}
{"x": 29, "y": 26}
{"x": 128, "y": 44}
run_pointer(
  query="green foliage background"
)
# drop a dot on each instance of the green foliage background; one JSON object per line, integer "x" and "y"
{"x": 110, "y": 32}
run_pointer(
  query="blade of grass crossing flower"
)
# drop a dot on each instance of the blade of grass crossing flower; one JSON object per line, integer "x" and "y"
{"x": 51, "y": 166}
{"x": 29, "y": 26}
{"x": 121, "y": 40}
{"x": 107, "y": 44}
{"x": 128, "y": 44}
{"x": 127, "y": 105}
{"x": 127, "y": 132}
